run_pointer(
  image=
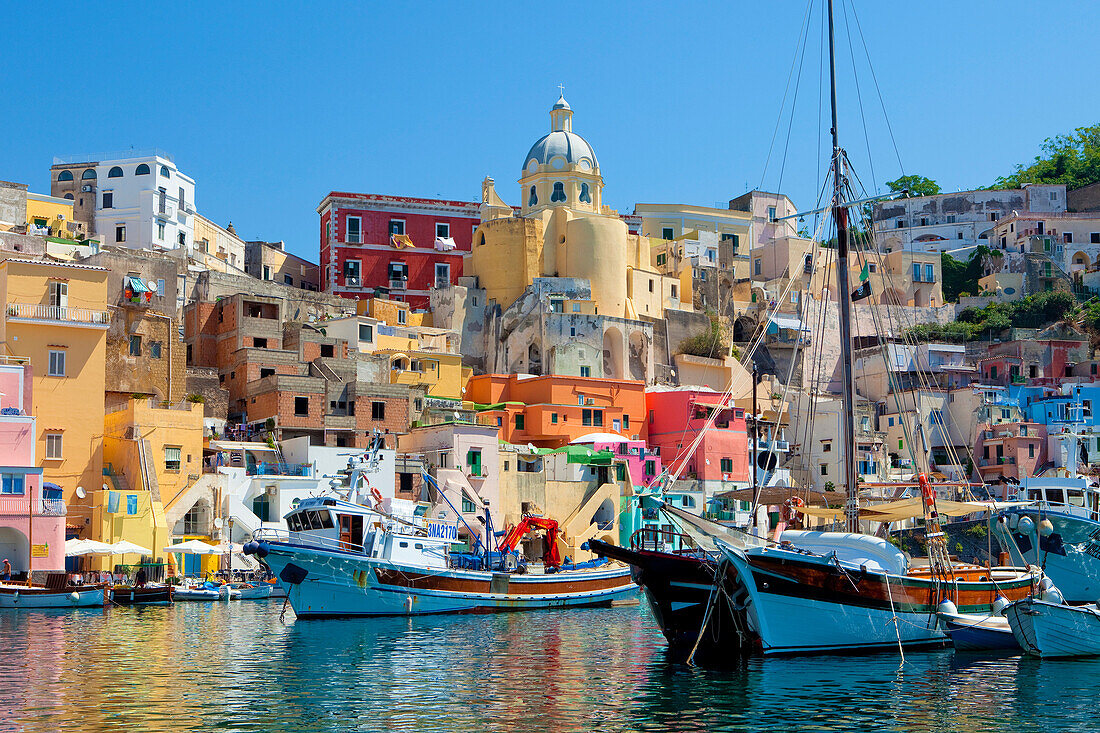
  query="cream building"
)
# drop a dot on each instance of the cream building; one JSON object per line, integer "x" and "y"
{"x": 563, "y": 230}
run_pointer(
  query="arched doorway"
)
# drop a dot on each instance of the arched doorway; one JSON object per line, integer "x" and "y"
{"x": 639, "y": 355}
{"x": 613, "y": 353}
{"x": 604, "y": 518}
{"x": 15, "y": 547}
{"x": 534, "y": 359}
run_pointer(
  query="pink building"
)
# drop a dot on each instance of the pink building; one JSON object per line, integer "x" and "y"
{"x": 643, "y": 462}
{"x": 32, "y": 517}
{"x": 677, "y": 415}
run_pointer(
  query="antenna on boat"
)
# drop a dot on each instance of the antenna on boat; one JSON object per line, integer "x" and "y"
{"x": 844, "y": 296}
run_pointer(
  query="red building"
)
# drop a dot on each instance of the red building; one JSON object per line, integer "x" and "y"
{"x": 403, "y": 246}
{"x": 677, "y": 415}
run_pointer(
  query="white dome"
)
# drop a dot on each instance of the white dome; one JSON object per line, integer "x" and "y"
{"x": 561, "y": 143}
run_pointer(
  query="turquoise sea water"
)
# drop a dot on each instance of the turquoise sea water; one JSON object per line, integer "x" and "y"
{"x": 237, "y": 667}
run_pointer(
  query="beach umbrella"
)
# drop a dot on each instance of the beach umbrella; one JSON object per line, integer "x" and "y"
{"x": 194, "y": 547}
{"x": 76, "y": 547}
{"x": 124, "y": 547}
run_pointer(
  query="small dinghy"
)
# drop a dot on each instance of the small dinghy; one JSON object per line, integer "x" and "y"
{"x": 1052, "y": 630}
{"x": 973, "y": 632}
{"x": 205, "y": 592}
{"x": 253, "y": 591}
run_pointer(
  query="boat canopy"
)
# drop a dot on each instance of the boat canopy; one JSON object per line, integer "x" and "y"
{"x": 905, "y": 509}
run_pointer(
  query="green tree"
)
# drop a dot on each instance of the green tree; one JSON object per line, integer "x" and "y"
{"x": 1072, "y": 159}
{"x": 917, "y": 185}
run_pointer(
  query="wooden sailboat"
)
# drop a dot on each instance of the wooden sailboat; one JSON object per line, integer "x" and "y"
{"x": 732, "y": 593}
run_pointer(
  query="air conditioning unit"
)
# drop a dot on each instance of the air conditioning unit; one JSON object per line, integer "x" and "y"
{"x": 61, "y": 217}
{"x": 589, "y": 400}
{"x": 86, "y": 189}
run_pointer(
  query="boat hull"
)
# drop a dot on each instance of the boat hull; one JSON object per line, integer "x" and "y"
{"x": 254, "y": 593}
{"x": 195, "y": 594}
{"x": 1051, "y": 630}
{"x": 33, "y": 597}
{"x": 124, "y": 595}
{"x": 970, "y": 633}
{"x": 776, "y": 601}
{"x": 1069, "y": 555}
{"x": 335, "y": 583}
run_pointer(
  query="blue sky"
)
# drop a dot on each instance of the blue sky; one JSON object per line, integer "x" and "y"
{"x": 268, "y": 107}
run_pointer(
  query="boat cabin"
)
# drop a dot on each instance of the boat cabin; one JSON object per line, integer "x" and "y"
{"x": 1061, "y": 494}
{"x": 401, "y": 536}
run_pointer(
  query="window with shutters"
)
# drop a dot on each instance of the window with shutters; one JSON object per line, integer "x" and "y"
{"x": 172, "y": 458}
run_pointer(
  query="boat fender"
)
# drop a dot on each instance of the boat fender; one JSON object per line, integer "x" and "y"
{"x": 408, "y": 604}
{"x": 1046, "y": 528}
{"x": 1013, "y": 520}
{"x": 999, "y": 605}
{"x": 15, "y": 597}
{"x": 74, "y": 596}
{"x": 1053, "y": 596}
{"x": 253, "y": 547}
{"x": 1025, "y": 525}
{"x": 947, "y": 608}
{"x": 1046, "y": 584}
{"x": 293, "y": 574}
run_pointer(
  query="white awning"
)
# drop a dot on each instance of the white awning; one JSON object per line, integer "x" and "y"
{"x": 792, "y": 322}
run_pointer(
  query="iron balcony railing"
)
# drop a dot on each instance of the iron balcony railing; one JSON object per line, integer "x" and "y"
{"x": 19, "y": 506}
{"x": 59, "y": 313}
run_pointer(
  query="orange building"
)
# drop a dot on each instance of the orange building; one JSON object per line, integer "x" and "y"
{"x": 549, "y": 411}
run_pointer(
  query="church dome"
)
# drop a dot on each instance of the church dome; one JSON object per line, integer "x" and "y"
{"x": 561, "y": 142}
{"x": 568, "y": 145}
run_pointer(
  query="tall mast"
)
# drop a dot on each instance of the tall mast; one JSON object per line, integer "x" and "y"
{"x": 844, "y": 301}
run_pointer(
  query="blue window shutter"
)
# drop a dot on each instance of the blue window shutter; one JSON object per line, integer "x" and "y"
{"x": 131, "y": 504}
{"x": 112, "y": 502}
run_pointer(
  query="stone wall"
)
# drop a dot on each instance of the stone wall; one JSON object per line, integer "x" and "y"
{"x": 204, "y": 382}
{"x": 158, "y": 368}
{"x": 13, "y": 203}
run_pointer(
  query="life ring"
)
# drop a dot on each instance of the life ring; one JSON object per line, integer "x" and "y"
{"x": 374, "y": 492}
{"x": 790, "y": 514}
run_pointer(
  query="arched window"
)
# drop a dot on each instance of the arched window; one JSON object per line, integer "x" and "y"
{"x": 115, "y": 172}
{"x": 164, "y": 171}
{"x": 88, "y": 175}
{"x": 559, "y": 192}
{"x": 69, "y": 196}
{"x": 533, "y": 198}
{"x": 65, "y": 176}
{"x": 585, "y": 196}
{"x": 142, "y": 170}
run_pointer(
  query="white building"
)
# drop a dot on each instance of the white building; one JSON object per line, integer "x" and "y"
{"x": 141, "y": 201}
{"x": 957, "y": 221}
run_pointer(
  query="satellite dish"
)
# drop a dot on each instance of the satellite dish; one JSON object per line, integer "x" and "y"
{"x": 152, "y": 285}
{"x": 217, "y": 522}
{"x": 458, "y": 415}
{"x": 80, "y": 492}
{"x": 106, "y": 488}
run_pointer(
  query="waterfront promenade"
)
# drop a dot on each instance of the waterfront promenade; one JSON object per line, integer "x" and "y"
{"x": 237, "y": 667}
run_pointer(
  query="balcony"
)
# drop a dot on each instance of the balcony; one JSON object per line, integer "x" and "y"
{"x": 352, "y": 282}
{"x": 166, "y": 212}
{"x": 58, "y": 314}
{"x": 18, "y": 506}
{"x": 280, "y": 469}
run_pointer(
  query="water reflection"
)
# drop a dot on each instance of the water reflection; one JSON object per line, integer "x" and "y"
{"x": 237, "y": 667}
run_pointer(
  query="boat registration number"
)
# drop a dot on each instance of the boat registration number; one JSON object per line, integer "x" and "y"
{"x": 442, "y": 530}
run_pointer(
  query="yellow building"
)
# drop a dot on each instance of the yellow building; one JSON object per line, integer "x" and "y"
{"x": 55, "y": 315}
{"x": 217, "y": 248}
{"x": 563, "y": 230}
{"x": 390, "y": 312}
{"x": 153, "y": 453}
{"x": 676, "y": 221}
{"x": 52, "y": 214}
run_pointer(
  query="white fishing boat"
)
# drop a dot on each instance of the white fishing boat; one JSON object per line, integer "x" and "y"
{"x": 978, "y": 632}
{"x": 1048, "y": 630}
{"x": 358, "y": 554}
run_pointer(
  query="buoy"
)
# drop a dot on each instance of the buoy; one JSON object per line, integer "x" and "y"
{"x": 74, "y": 596}
{"x": 947, "y": 608}
{"x": 1000, "y": 605}
{"x": 1046, "y": 529}
{"x": 1025, "y": 525}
